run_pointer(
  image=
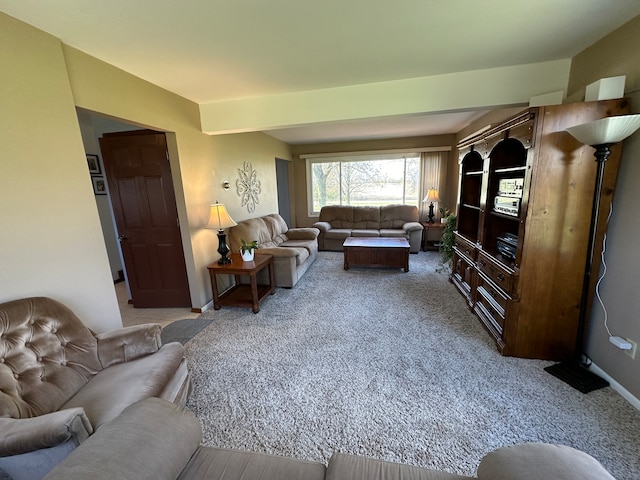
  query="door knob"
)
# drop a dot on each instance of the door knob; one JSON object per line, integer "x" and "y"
{"x": 122, "y": 237}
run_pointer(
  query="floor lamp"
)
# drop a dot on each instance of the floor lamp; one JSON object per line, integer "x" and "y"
{"x": 601, "y": 135}
{"x": 219, "y": 218}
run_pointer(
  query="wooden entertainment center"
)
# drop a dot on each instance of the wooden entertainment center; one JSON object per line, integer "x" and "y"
{"x": 525, "y": 199}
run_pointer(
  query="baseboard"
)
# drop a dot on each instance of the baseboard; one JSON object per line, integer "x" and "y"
{"x": 203, "y": 308}
{"x": 628, "y": 396}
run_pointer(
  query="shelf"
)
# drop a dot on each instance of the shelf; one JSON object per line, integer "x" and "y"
{"x": 511, "y": 169}
{"x": 474, "y": 173}
{"x": 505, "y": 216}
{"x": 472, "y": 207}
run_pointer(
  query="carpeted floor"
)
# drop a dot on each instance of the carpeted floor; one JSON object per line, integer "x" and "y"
{"x": 389, "y": 365}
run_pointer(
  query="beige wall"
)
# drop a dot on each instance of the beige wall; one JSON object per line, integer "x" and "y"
{"x": 51, "y": 242}
{"x": 58, "y": 237}
{"x": 199, "y": 162}
{"x": 302, "y": 218}
{"x": 617, "y": 54}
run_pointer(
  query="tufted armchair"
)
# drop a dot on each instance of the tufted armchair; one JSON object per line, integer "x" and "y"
{"x": 59, "y": 381}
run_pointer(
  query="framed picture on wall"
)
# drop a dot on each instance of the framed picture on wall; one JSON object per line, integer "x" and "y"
{"x": 99, "y": 187}
{"x": 94, "y": 164}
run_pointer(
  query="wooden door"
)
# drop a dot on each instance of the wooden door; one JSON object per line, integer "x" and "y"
{"x": 139, "y": 179}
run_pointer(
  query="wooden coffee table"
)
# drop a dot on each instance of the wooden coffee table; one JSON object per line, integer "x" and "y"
{"x": 376, "y": 252}
{"x": 242, "y": 295}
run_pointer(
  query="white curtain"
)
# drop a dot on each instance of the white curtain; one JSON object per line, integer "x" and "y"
{"x": 433, "y": 176}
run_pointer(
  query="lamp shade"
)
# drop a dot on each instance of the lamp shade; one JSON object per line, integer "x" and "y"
{"x": 219, "y": 218}
{"x": 606, "y": 130}
{"x": 432, "y": 196}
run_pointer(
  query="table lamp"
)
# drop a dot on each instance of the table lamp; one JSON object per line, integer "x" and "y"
{"x": 219, "y": 218}
{"x": 432, "y": 196}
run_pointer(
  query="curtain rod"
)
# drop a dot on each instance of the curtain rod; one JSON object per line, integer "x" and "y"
{"x": 377, "y": 152}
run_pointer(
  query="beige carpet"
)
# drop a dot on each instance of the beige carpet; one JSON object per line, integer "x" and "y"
{"x": 390, "y": 365}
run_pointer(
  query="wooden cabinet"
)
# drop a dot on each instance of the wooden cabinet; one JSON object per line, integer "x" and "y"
{"x": 524, "y": 207}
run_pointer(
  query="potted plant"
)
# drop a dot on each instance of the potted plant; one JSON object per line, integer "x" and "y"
{"x": 444, "y": 213}
{"x": 247, "y": 250}
{"x": 448, "y": 240}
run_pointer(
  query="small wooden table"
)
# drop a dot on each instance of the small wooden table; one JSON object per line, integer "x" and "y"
{"x": 376, "y": 252}
{"x": 432, "y": 244}
{"x": 242, "y": 295}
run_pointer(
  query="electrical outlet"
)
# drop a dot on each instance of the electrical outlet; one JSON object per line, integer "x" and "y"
{"x": 634, "y": 347}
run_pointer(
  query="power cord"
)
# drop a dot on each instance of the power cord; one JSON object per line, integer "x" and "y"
{"x": 619, "y": 342}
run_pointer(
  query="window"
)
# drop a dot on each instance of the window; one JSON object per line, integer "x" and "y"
{"x": 364, "y": 180}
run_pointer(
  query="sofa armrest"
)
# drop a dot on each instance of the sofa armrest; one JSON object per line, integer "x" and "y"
{"x": 322, "y": 226}
{"x": 302, "y": 233}
{"x": 412, "y": 227}
{"x": 278, "y": 251}
{"x": 125, "y": 344}
{"x": 24, "y": 435}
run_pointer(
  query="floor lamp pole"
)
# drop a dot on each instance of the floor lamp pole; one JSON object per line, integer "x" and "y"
{"x": 573, "y": 371}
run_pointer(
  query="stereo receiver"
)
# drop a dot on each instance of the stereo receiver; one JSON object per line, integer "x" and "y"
{"x": 511, "y": 187}
{"x": 507, "y": 205}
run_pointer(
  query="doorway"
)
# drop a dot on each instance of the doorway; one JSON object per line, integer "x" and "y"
{"x": 143, "y": 200}
{"x": 282, "y": 183}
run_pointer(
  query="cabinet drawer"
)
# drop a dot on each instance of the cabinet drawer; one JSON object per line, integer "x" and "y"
{"x": 465, "y": 248}
{"x": 495, "y": 297}
{"x": 497, "y": 273}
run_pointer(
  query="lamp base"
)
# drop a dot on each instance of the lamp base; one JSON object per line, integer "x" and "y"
{"x": 223, "y": 248}
{"x": 577, "y": 376}
{"x": 431, "y": 214}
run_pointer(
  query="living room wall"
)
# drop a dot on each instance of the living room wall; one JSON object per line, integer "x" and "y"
{"x": 448, "y": 195}
{"x": 59, "y": 250}
{"x": 51, "y": 242}
{"x": 614, "y": 55}
{"x": 199, "y": 162}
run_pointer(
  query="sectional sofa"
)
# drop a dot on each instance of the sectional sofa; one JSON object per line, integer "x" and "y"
{"x": 293, "y": 249}
{"x": 154, "y": 439}
{"x": 337, "y": 222}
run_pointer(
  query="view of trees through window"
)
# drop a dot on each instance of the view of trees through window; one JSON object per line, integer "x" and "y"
{"x": 365, "y": 181}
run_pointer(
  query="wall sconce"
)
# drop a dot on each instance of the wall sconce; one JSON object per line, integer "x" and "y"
{"x": 226, "y": 185}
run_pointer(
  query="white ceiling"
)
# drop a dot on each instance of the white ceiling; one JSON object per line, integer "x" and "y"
{"x": 214, "y": 50}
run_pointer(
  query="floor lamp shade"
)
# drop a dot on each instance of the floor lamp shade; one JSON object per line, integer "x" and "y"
{"x": 606, "y": 131}
{"x": 220, "y": 219}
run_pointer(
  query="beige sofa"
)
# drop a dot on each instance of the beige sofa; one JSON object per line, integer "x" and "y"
{"x": 293, "y": 249}
{"x": 337, "y": 222}
{"x": 59, "y": 381}
{"x": 154, "y": 439}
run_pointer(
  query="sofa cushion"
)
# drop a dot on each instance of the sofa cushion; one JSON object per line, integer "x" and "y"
{"x": 151, "y": 439}
{"x": 534, "y": 461}
{"x": 338, "y": 233}
{"x": 366, "y": 218}
{"x": 339, "y": 216}
{"x": 120, "y": 385}
{"x": 360, "y": 232}
{"x": 395, "y": 216}
{"x": 351, "y": 467}
{"x": 218, "y": 464}
{"x": 392, "y": 232}
{"x": 47, "y": 353}
{"x": 311, "y": 246}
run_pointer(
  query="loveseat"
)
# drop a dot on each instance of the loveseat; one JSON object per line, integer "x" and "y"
{"x": 60, "y": 382}
{"x": 293, "y": 249}
{"x": 154, "y": 439}
{"x": 337, "y": 222}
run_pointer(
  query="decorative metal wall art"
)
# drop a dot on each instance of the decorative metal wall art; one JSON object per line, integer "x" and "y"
{"x": 248, "y": 186}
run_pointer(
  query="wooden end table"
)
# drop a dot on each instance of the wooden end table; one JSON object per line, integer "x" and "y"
{"x": 432, "y": 244}
{"x": 242, "y": 295}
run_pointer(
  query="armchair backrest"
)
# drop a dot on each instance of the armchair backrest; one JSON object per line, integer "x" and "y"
{"x": 46, "y": 355}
